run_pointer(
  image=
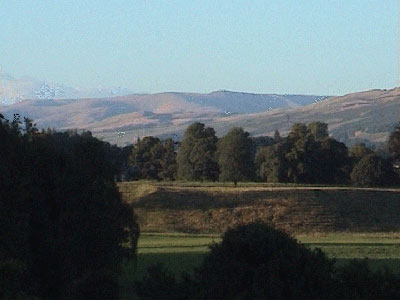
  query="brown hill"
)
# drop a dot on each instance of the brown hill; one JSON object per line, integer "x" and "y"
{"x": 359, "y": 117}
{"x": 159, "y": 113}
{"x": 366, "y": 116}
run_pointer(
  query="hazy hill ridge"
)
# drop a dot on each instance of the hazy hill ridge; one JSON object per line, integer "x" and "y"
{"x": 357, "y": 117}
{"x": 132, "y": 112}
{"x": 365, "y": 116}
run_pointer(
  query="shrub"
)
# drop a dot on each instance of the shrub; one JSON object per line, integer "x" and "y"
{"x": 357, "y": 281}
{"x": 256, "y": 261}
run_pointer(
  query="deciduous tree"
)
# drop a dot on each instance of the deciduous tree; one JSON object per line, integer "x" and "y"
{"x": 373, "y": 170}
{"x": 235, "y": 156}
{"x": 196, "y": 156}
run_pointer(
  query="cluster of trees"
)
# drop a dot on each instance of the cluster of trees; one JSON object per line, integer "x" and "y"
{"x": 62, "y": 221}
{"x": 201, "y": 157}
{"x": 256, "y": 261}
{"x": 307, "y": 155}
{"x": 154, "y": 159}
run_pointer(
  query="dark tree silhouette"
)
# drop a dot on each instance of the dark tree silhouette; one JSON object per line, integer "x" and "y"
{"x": 263, "y": 263}
{"x": 62, "y": 219}
{"x": 307, "y": 155}
{"x": 196, "y": 155}
{"x": 235, "y": 156}
{"x": 373, "y": 170}
{"x": 394, "y": 143}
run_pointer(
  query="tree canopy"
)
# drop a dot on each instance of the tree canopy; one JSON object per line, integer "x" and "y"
{"x": 235, "y": 156}
{"x": 372, "y": 170}
{"x": 154, "y": 159}
{"x": 307, "y": 155}
{"x": 62, "y": 220}
{"x": 394, "y": 143}
{"x": 196, "y": 156}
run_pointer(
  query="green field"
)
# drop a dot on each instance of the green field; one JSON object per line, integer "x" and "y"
{"x": 183, "y": 252}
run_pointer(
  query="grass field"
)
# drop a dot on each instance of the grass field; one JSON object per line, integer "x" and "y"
{"x": 183, "y": 252}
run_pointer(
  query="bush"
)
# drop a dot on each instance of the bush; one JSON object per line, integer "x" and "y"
{"x": 256, "y": 261}
{"x": 160, "y": 284}
{"x": 357, "y": 281}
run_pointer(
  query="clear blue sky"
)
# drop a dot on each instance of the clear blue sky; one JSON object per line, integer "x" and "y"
{"x": 267, "y": 46}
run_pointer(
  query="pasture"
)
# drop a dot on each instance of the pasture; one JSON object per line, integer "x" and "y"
{"x": 183, "y": 252}
{"x": 180, "y": 220}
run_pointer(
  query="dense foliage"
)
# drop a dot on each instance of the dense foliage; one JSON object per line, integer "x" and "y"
{"x": 154, "y": 159}
{"x": 196, "y": 156}
{"x": 308, "y": 155}
{"x": 372, "y": 170}
{"x": 235, "y": 156}
{"x": 394, "y": 143}
{"x": 263, "y": 263}
{"x": 62, "y": 221}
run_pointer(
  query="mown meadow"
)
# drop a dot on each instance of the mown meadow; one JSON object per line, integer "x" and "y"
{"x": 184, "y": 252}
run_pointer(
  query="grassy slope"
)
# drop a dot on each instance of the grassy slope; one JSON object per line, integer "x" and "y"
{"x": 214, "y": 207}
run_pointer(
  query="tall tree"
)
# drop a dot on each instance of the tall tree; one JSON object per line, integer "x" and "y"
{"x": 307, "y": 155}
{"x": 373, "y": 170}
{"x": 147, "y": 155}
{"x": 235, "y": 156}
{"x": 196, "y": 155}
{"x": 394, "y": 143}
{"x": 358, "y": 151}
{"x": 65, "y": 222}
{"x": 168, "y": 161}
{"x": 277, "y": 136}
{"x": 318, "y": 130}
{"x": 271, "y": 163}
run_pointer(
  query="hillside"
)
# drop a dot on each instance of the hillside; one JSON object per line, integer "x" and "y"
{"x": 359, "y": 117}
{"x": 165, "y": 113}
{"x": 213, "y": 209}
{"x": 366, "y": 116}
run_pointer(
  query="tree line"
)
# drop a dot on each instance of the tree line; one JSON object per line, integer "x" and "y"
{"x": 307, "y": 155}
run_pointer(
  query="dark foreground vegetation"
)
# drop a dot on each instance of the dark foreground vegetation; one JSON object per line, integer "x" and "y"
{"x": 308, "y": 155}
{"x": 256, "y": 261}
{"x": 62, "y": 221}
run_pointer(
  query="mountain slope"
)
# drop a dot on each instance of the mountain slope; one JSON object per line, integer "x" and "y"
{"x": 369, "y": 116}
{"x": 359, "y": 117}
{"x": 130, "y": 112}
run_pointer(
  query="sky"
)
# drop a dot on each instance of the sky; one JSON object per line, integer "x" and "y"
{"x": 324, "y": 47}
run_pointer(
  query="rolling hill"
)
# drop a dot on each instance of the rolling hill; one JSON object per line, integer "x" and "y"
{"x": 359, "y": 117}
{"x": 149, "y": 113}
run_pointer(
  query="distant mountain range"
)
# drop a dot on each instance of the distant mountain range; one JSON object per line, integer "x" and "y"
{"x": 18, "y": 89}
{"x": 142, "y": 114}
{"x": 359, "y": 117}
